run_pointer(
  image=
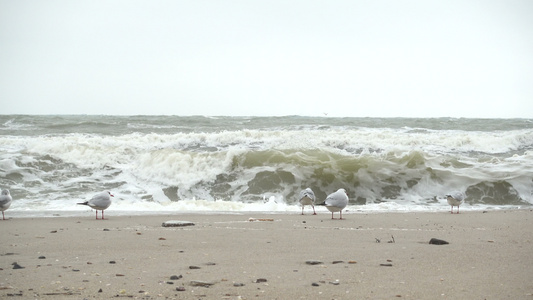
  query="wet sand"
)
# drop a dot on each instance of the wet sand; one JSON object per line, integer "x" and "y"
{"x": 489, "y": 256}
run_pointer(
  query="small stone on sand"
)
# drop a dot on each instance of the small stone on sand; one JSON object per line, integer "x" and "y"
{"x": 260, "y": 220}
{"x": 17, "y": 266}
{"x": 174, "y": 223}
{"x": 435, "y": 241}
{"x": 201, "y": 283}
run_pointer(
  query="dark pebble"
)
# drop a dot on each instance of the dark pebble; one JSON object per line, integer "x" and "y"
{"x": 201, "y": 283}
{"x": 194, "y": 267}
{"x": 17, "y": 266}
{"x": 105, "y": 229}
{"x": 177, "y": 223}
{"x": 42, "y": 257}
{"x": 315, "y": 284}
{"x": 211, "y": 264}
{"x": 100, "y": 290}
{"x": 386, "y": 265}
{"x": 75, "y": 270}
{"x": 112, "y": 262}
{"x": 238, "y": 284}
{"x": 180, "y": 289}
{"x": 175, "y": 277}
{"x": 259, "y": 280}
{"x": 313, "y": 262}
{"x": 170, "y": 282}
{"x": 337, "y": 262}
{"x": 435, "y": 241}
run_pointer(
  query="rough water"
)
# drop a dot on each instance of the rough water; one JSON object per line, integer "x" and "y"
{"x": 165, "y": 164}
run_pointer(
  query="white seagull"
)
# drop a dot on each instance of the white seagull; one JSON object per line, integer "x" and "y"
{"x": 307, "y": 197}
{"x": 336, "y": 202}
{"x": 99, "y": 202}
{"x": 5, "y": 201}
{"x": 455, "y": 199}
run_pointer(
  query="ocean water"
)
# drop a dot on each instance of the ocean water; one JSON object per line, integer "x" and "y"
{"x": 168, "y": 164}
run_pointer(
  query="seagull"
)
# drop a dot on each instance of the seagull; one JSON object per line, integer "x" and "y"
{"x": 336, "y": 202}
{"x": 307, "y": 197}
{"x": 5, "y": 201}
{"x": 455, "y": 199}
{"x": 98, "y": 202}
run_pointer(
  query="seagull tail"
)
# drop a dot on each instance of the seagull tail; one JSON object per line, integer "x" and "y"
{"x": 84, "y": 203}
{"x": 321, "y": 204}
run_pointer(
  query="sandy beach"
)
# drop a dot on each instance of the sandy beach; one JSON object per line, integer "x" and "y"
{"x": 285, "y": 256}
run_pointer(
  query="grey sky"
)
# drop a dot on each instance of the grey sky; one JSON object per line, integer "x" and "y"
{"x": 345, "y": 58}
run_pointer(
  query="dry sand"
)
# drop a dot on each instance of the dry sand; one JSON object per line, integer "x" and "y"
{"x": 489, "y": 256}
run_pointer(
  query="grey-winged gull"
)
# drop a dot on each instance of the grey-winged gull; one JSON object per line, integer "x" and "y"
{"x": 98, "y": 202}
{"x": 5, "y": 201}
{"x": 336, "y": 202}
{"x": 455, "y": 199}
{"x": 307, "y": 197}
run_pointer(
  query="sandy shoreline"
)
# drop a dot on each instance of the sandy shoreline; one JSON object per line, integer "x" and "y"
{"x": 489, "y": 256}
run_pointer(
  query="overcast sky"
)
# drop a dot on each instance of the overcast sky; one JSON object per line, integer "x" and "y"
{"x": 346, "y": 58}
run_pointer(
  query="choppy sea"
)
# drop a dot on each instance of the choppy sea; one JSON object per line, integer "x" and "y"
{"x": 168, "y": 164}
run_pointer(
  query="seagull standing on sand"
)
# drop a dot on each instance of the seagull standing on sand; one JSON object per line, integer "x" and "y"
{"x": 5, "y": 201}
{"x": 336, "y": 202}
{"x": 455, "y": 199}
{"x": 99, "y": 202}
{"x": 307, "y": 197}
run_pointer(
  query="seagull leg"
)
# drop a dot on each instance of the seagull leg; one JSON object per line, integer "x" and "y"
{"x": 96, "y": 214}
{"x": 457, "y": 209}
{"x": 102, "y": 214}
{"x": 302, "y": 210}
{"x": 332, "y": 215}
{"x": 340, "y": 212}
{"x": 452, "y": 209}
{"x": 3, "y": 217}
{"x": 314, "y": 212}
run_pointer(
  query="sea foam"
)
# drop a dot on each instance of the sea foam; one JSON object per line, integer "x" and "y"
{"x": 242, "y": 166}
